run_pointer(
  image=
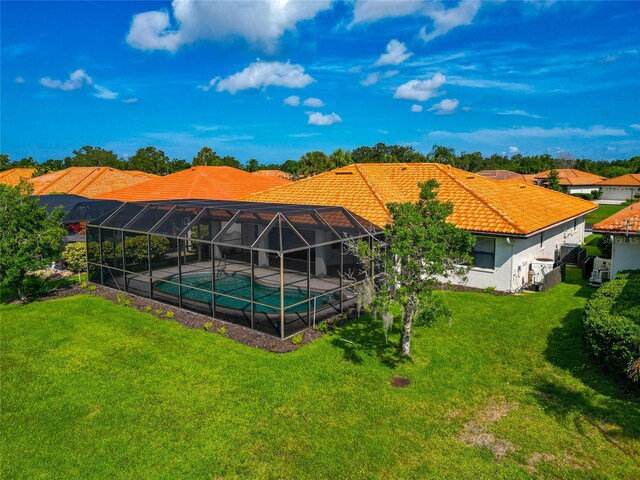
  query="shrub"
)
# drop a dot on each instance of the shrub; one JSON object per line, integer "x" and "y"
{"x": 148, "y": 309}
{"x": 605, "y": 245}
{"x": 208, "y": 326}
{"x": 586, "y": 196}
{"x": 596, "y": 194}
{"x": 222, "y": 330}
{"x": 92, "y": 288}
{"x": 322, "y": 327}
{"x": 612, "y": 322}
{"x": 84, "y": 285}
{"x": 297, "y": 339}
{"x": 170, "y": 314}
{"x": 123, "y": 299}
{"x": 75, "y": 258}
{"x": 490, "y": 289}
{"x": 159, "y": 311}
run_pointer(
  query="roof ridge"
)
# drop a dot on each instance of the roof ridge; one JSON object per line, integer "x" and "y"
{"x": 101, "y": 171}
{"x": 296, "y": 182}
{"x": 370, "y": 185}
{"x": 484, "y": 201}
{"x": 52, "y": 182}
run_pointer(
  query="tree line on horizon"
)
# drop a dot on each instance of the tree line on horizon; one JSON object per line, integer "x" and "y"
{"x": 153, "y": 160}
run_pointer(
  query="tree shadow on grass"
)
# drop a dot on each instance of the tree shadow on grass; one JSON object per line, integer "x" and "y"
{"x": 612, "y": 406}
{"x": 363, "y": 337}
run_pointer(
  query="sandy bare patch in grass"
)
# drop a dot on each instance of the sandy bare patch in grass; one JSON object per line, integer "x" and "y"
{"x": 476, "y": 433}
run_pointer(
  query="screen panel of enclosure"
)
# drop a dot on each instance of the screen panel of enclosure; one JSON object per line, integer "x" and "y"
{"x": 275, "y": 268}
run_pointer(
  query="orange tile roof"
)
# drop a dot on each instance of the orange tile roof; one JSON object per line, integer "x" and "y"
{"x": 572, "y": 177}
{"x": 86, "y": 181}
{"x": 208, "y": 183}
{"x": 508, "y": 175}
{"x": 480, "y": 204}
{"x": 630, "y": 180}
{"x": 625, "y": 222}
{"x": 273, "y": 173}
{"x": 14, "y": 175}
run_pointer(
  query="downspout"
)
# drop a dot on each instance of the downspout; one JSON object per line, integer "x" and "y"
{"x": 511, "y": 266}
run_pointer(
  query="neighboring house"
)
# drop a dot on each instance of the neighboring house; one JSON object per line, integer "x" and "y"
{"x": 507, "y": 175}
{"x": 273, "y": 173}
{"x": 624, "y": 228}
{"x": 13, "y": 176}
{"x": 572, "y": 181}
{"x": 205, "y": 183}
{"x": 514, "y": 223}
{"x": 78, "y": 211}
{"x": 620, "y": 188}
{"x": 86, "y": 181}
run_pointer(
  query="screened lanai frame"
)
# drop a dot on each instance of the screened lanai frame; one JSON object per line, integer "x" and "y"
{"x": 296, "y": 239}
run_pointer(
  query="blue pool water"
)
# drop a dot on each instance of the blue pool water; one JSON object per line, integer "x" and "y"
{"x": 239, "y": 285}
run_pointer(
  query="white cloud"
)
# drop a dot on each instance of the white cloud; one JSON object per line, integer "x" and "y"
{"x": 292, "y": 101}
{"x": 104, "y": 93}
{"x": 19, "y": 80}
{"x": 416, "y": 108}
{"x": 303, "y": 135}
{"x": 513, "y": 150}
{"x": 367, "y": 11}
{"x": 313, "y": 102}
{"x": 77, "y": 79}
{"x": 396, "y": 54}
{"x": 485, "y": 135}
{"x": 479, "y": 83}
{"x": 129, "y": 100}
{"x": 446, "y": 19}
{"x": 317, "y": 118}
{"x": 445, "y": 106}
{"x": 420, "y": 90}
{"x": 210, "y": 85}
{"x": 263, "y": 74}
{"x": 355, "y": 69}
{"x": 635, "y": 126}
{"x": 520, "y": 113}
{"x": 259, "y": 22}
{"x": 375, "y": 77}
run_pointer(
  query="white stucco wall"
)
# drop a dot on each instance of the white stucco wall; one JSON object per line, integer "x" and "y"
{"x": 581, "y": 189}
{"x": 618, "y": 193}
{"x": 625, "y": 254}
{"x": 512, "y": 260}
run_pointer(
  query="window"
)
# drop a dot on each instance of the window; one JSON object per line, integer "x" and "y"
{"x": 484, "y": 252}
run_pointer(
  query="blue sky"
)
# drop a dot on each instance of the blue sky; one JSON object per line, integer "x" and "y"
{"x": 272, "y": 80}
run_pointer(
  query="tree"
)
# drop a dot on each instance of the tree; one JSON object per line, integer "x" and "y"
{"x": 313, "y": 163}
{"x": 30, "y": 238}
{"x": 75, "y": 257}
{"x": 51, "y": 165}
{"x": 89, "y": 156}
{"x": 553, "y": 180}
{"x": 253, "y": 165}
{"x": 150, "y": 160}
{"x": 440, "y": 154}
{"x": 206, "y": 157}
{"x": 5, "y": 162}
{"x": 402, "y": 276}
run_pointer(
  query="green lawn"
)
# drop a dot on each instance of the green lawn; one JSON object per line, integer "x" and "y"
{"x": 591, "y": 244}
{"x": 602, "y": 212}
{"x": 91, "y": 389}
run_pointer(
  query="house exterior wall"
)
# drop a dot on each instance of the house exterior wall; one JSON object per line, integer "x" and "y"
{"x": 618, "y": 193}
{"x": 512, "y": 260}
{"x": 581, "y": 189}
{"x": 625, "y": 254}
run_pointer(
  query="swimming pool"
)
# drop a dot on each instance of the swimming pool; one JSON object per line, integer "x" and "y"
{"x": 239, "y": 285}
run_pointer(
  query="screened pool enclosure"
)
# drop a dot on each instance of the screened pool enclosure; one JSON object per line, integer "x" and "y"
{"x": 271, "y": 267}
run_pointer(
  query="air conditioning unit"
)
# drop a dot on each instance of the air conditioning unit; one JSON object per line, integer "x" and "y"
{"x": 538, "y": 269}
{"x": 601, "y": 271}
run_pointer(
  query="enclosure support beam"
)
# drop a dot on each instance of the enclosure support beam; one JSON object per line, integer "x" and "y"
{"x": 150, "y": 269}
{"x": 180, "y": 273}
{"x": 253, "y": 281}
{"x": 213, "y": 280}
{"x": 282, "y": 295}
{"x": 124, "y": 272}
{"x": 101, "y": 257}
{"x": 341, "y": 276}
{"x": 309, "y": 286}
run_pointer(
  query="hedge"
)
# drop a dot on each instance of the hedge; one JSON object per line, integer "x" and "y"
{"x": 612, "y": 322}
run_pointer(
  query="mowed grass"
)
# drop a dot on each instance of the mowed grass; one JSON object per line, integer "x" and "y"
{"x": 602, "y": 212}
{"x": 91, "y": 389}
{"x": 591, "y": 245}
